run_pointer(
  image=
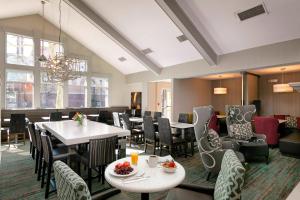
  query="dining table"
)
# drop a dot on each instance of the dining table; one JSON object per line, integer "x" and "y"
{"x": 47, "y": 118}
{"x": 147, "y": 179}
{"x": 136, "y": 119}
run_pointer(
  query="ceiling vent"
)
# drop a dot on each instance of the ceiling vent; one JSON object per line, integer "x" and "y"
{"x": 181, "y": 38}
{"x": 147, "y": 51}
{"x": 122, "y": 59}
{"x": 252, "y": 12}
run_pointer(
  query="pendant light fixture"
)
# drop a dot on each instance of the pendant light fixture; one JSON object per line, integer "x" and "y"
{"x": 282, "y": 87}
{"x": 220, "y": 89}
{"x": 42, "y": 58}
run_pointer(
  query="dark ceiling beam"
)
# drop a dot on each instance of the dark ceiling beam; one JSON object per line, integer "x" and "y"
{"x": 183, "y": 22}
{"x": 113, "y": 34}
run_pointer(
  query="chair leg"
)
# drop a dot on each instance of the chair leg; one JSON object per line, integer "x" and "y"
{"x": 160, "y": 150}
{"x": 8, "y": 140}
{"x": 30, "y": 149}
{"x": 90, "y": 179}
{"x": 99, "y": 173}
{"x": 267, "y": 160}
{"x": 192, "y": 148}
{"x": 145, "y": 149}
{"x": 48, "y": 180}
{"x": 102, "y": 174}
{"x": 43, "y": 174}
{"x": 33, "y": 153}
{"x": 185, "y": 149}
{"x": 36, "y": 162}
{"x": 154, "y": 145}
{"x": 24, "y": 138}
{"x": 208, "y": 176}
{"x": 40, "y": 165}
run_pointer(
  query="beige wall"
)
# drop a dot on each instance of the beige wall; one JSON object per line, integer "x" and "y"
{"x": 189, "y": 93}
{"x": 154, "y": 94}
{"x": 233, "y": 96}
{"x": 32, "y": 26}
{"x": 252, "y": 81}
{"x": 279, "y": 103}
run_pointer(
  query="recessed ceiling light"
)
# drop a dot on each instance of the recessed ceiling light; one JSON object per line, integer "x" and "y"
{"x": 122, "y": 59}
{"x": 181, "y": 38}
{"x": 147, "y": 51}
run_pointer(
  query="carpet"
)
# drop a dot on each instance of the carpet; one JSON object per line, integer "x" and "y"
{"x": 270, "y": 182}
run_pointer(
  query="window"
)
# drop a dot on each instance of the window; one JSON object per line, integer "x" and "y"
{"x": 49, "y": 48}
{"x": 83, "y": 65}
{"x": 19, "y": 89}
{"x": 50, "y": 97}
{"x": 77, "y": 92}
{"x": 99, "y": 92}
{"x": 19, "y": 50}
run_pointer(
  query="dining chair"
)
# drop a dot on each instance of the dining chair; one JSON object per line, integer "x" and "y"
{"x": 167, "y": 139}
{"x": 39, "y": 153}
{"x": 103, "y": 116}
{"x": 128, "y": 112}
{"x": 71, "y": 186}
{"x": 31, "y": 131}
{"x": 101, "y": 153}
{"x": 71, "y": 115}
{"x": 156, "y": 115}
{"x": 229, "y": 183}
{"x": 151, "y": 137}
{"x": 116, "y": 118}
{"x": 51, "y": 155}
{"x": 17, "y": 127}
{"x": 135, "y": 134}
{"x": 147, "y": 113}
{"x": 56, "y": 116}
{"x": 138, "y": 113}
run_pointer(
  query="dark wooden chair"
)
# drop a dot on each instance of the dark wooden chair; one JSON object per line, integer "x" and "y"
{"x": 31, "y": 131}
{"x": 136, "y": 135}
{"x": 17, "y": 127}
{"x": 156, "y": 115}
{"x": 147, "y": 114}
{"x": 56, "y": 116}
{"x": 72, "y": 114}
{"x": 151, "y": 137}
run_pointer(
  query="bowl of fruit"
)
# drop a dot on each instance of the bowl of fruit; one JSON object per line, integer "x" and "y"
{"x": 169, "y": 166}
{"x": 123, "y": 170}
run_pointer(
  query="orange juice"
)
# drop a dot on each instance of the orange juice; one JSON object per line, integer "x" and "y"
{"x": 134, "y": 158}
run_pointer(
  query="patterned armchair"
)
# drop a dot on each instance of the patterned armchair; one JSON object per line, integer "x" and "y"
{"x": 71, "y": 186}
{"x": 228, "y": 186}
{"x": 210, "y": 145}
{"x": 239, "y": 126}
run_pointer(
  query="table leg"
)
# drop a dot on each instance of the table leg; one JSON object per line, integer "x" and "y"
{"x": 145, "y": 196}
{"x": 182, "y": 133}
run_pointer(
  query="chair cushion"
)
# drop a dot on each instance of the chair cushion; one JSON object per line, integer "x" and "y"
{"x": 230, "y": 179}
{"x": 241, "y": 131}
{"x": 214, "y": 139}
{"x": 178, "y": 194}
{"x": 69, "y": 185}
{"x": 291, "y": 122}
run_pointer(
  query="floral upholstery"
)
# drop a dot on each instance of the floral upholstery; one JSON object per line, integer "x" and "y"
{"x": 241, "y": 131}
{"x": 291, "y": 122}
{"x": 230, "y": 179}
{"x": 69, "y": 185}
{"x": 214, "y": 139}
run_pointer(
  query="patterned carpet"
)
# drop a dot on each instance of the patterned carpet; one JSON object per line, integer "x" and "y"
{"x": 270, "y": 182}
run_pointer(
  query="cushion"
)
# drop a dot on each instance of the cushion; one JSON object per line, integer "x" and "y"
{"x": 214, "y": 139}
{"x": 291, "y": 122}
{"x": 69, "y": 184}
{"x": 280, "y": 116}
{"x": 230, "y": 179}
{"x": 241, "y": 131}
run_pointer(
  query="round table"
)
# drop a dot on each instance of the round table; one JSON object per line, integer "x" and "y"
{"x": 157, "y": 180}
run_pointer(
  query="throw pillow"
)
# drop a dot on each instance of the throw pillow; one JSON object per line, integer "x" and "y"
{"x": 213, "y": 138}
{"x": 242, "y": 131}
{"x": 291, "y": 122}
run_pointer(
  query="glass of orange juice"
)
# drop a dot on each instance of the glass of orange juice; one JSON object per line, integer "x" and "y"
{"x": 134, "y": 158}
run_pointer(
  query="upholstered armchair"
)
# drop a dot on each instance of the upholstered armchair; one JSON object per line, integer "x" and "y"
{"x": 211, "y": 147}
{"x": 239, "y": 126}
{"x": 229, "y": 183}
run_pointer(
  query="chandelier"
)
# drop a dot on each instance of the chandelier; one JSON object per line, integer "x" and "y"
{"x": 60, "y": 68}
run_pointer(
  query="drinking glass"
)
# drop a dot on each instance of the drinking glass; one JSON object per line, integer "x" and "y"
{"x": 134, "y": 158}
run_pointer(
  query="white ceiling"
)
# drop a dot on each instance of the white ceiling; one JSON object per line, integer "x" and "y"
{"x": 276, "y": 70}
{"x": 230, "y": 35}
{"x": 221, "y": 76}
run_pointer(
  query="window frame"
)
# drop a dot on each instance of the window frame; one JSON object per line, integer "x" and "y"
{"x": 90, "y": 87}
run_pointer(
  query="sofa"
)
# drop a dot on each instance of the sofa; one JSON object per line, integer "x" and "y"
{"x": 269, "y": 127}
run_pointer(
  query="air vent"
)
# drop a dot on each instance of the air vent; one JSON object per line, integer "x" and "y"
{"x": 252, "y": 12}
{"x": 181, "y": 38}
{"x": 122, "y": 59}
{"x": 147, "y": 51}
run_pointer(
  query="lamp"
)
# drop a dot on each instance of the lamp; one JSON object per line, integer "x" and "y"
{"x": 282, "y": 87}
{"x": 220, "y": 90}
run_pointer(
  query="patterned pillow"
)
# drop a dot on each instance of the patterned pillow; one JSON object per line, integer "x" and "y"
{"x": 213, "y": 138}
{"x": 291, "y": 122}
{"x": 242, "y": 131}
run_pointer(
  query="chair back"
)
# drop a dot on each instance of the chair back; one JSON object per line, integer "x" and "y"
{"x": 103, "y": 116}
{"x": 126, "y": 122}
{"x": 147, "y": 113}
{"x": 164, "y": 130}
{"x": 17, "y": 123}
{"x": 156, "y": 116}
{"x": 116, "y": 118}
{"x": 213, "y": 122}
{"x": 39, "y": 145}
{"x": 149, "y": 128}
{"x": 237, "y": 114}
{"x": 47, "y": 148}
{"x": 31, "y": 131}
{"x": 201, "y": 119}
{"x": 69, "y": 185}
{"x": 56, "y": 116}
{"x": 183, "y": 118}
{"x": 128, "y": 112}
{"x": 269, "y": 127}
{"x": 138, "y": 113}
{"x": 72, "y": 114}
{"x": 102, "y": 151}
{"x": 230, "y": 179}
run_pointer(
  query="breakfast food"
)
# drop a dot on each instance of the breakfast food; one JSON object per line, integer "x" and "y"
{"x": 123, "y": 168}
{"x": 169, "y": 164}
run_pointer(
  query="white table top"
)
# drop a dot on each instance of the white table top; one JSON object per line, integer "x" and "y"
{"x": 70, "y": 133}
{"x": 8, "y": 119}
{"x": 158, "y": 181}
{"x": 221, "y": 116}
{"x": 181, "y": 125}
{"x": 93, "y": 115}
{"x": 136, "y": 119}
{"x": 48, "y": 118}
{"x": 282, "y": 121}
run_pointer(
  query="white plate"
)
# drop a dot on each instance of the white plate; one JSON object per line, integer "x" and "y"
{"x": 134, "y": 171}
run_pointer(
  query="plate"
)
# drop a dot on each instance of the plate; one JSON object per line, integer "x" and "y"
{"x": 112, "y": 172}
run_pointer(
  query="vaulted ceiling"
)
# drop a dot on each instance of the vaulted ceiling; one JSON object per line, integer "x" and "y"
{"x": 147, "y": 24}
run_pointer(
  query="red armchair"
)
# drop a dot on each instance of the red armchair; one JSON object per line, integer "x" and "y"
{"x": 269, "y": 127}
{"x": 213, "y": 123}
